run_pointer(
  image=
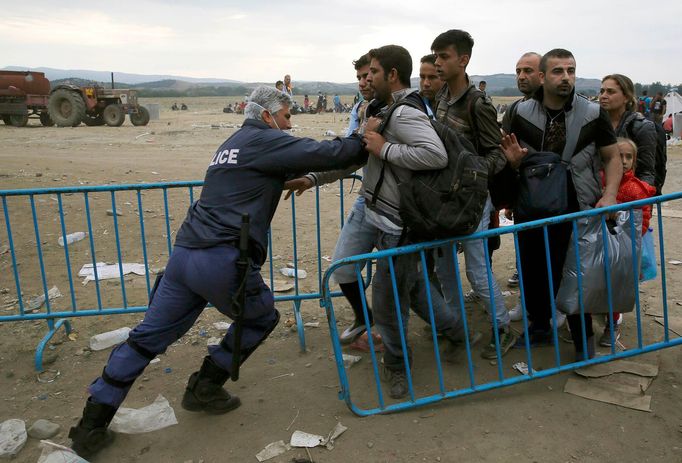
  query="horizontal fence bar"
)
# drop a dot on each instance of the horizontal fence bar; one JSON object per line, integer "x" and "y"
{"x": 146, "y": 239}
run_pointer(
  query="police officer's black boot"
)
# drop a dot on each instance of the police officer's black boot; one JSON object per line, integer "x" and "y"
{"x": 205, "y": 391}
{"x": 91, "y": 435}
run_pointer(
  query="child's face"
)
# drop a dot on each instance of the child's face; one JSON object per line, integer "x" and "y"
{"x": 627, "y": 155}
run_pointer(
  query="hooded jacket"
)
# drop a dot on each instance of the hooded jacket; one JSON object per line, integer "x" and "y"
{"x": 411, "y": 145}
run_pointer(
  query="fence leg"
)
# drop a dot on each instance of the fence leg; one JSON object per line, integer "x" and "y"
{"x": 299, "y": 325}
{"x": 53, "y": 327}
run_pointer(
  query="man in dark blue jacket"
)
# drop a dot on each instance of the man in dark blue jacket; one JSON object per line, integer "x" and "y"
{"x": 246, "y": 175}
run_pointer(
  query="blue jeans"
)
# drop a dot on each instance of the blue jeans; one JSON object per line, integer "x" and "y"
{"x": 193, "y": 277}
{"x": 411, "y": 290}
{"x": 477, "y": 274}
{"x": 357, "y": 237}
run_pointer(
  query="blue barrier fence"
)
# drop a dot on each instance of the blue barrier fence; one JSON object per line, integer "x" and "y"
{"x": 430, "y": 380}
{"x": 122, "y": 224}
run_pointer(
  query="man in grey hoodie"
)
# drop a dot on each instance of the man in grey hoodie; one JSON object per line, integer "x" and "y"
{"x": 408, "y": 143}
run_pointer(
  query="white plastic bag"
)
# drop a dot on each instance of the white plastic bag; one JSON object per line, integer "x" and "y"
{"x": 55, "y": 453}
{"x": 156, "y": 416}
{"x": 12, "y": 438}
{"x": 591, "y": 251}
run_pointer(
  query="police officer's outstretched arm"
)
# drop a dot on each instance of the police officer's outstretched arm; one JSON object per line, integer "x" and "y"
{"x": 296, "y": 156}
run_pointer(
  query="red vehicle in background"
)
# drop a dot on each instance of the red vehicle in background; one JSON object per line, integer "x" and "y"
{"x": 24, "y": 94}
{"x": 27, "y": 93}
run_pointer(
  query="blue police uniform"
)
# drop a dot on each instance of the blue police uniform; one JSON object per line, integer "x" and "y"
{"x": 246, "y": 175}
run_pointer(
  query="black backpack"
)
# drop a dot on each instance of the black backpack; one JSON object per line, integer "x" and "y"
{"x": 442, "y": 203}
{"x": 660, "y": 170}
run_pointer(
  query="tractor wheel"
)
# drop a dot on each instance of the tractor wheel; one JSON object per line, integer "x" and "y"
{"x": 18, "y": 120}
{"x": 66, "y": 108}
{"x": 93, "y": 121}
{"x": 113, "y": 115}
{"x": 141, "y": 117}
{"x": 46, "y": 120}
{"x": 6, "y": 120}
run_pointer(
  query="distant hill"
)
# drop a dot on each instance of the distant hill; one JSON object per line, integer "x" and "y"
{"x": 176, "y": 86}
{"x": 105, "y": 76}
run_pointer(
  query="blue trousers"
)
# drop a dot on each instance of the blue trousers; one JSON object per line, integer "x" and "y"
{"x": 193, "y": 278}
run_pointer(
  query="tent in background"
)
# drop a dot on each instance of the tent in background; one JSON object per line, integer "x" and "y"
{"x": 673, "y": 102}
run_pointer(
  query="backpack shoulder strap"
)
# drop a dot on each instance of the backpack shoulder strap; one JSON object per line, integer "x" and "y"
{"x": 412, "y": 100}
{"x": 472, "y": 98}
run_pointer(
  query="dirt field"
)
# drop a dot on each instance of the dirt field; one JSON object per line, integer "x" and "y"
{"x": 282, "y": 389}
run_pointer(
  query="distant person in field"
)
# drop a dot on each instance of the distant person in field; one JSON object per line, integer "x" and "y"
{"x": 288, "y": 86}
{"x": 174, "y": 107}
{"x": 183, "y": 107}
{"x": 644, "y": 104}
{"x": 320, "y": 102}
{"x": 279, "y": 85}
{"x": 337, "y": 103}
{"x": 306, "y": 103}
{"x": 658, "y": 107}
{"x": 668, "y": 125}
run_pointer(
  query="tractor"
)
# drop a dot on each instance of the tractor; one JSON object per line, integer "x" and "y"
{"x": 24, "y": 94}
{"x": 70, "y": 105}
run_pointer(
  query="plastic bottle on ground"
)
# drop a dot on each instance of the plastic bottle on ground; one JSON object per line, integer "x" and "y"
{"x": 71, "y": 238}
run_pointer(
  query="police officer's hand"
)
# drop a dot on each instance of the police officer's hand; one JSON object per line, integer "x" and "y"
{"x": 512, "y": 150}
{"x": 373, "y": 143}
{"x": 298, "y": 185}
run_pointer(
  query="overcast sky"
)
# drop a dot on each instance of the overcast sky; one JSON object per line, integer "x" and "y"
{"x": 259, "y": 40}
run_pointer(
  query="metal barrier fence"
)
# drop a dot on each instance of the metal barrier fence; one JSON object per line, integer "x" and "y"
{"x": 427, "y": 379}
{"x": 122, "y": 224}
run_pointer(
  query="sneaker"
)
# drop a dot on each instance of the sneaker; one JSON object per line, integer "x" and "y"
{"x": 352, "y": 332}
{"x": 397, "y": 380}
{"x": 538, "y": 337}
{"x": 507, "y": 341}
{"x": 513, "y": 280}
{"x": 605, "y": 339}
{"x": 560, "y": 319}
{"x": 471, "y": 297}
{"x": 516, "y": 313}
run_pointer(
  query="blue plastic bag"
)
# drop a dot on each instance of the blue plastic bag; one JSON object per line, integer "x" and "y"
{"x": 648, "y": 266}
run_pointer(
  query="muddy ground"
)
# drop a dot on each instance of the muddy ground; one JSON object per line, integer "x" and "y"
{"x": 282, "y": 389}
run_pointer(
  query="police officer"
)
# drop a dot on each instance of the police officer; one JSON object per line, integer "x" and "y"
{"x": 246, "y": 175}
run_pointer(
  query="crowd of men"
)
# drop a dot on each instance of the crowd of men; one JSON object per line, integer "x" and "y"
{"x": 250, "y": 170}
{"x": 408, "y": 143}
